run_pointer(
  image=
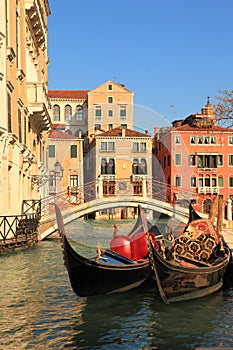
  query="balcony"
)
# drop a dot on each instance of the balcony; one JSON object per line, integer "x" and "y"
{"x": 38, "y": 106}
{"x": 208, "y": 190}
{"x": 212, "y": 170}
{"x": 37, "y": 19}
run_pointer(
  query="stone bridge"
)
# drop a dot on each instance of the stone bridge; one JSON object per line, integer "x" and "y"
{"x": 72, "y": 212}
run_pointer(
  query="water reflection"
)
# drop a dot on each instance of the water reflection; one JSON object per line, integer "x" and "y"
{"x": 139, "y": 320}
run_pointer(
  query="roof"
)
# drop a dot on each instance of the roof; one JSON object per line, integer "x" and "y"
{"x": 117, "y": 132}
{"x": 68, "y": 94}
{"x": 215, "y": 128}
{"x": 55, "y": 134}
{"x": 114, "y": 83}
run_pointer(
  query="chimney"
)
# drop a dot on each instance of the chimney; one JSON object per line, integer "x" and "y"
{"x": 146, "y": 131}
{"x": 123, "y": 132}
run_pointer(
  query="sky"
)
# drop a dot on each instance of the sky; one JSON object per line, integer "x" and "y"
{"x": 171, "y": 53}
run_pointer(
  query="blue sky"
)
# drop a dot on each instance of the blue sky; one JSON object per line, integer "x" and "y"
{"x": 171, "y": 53}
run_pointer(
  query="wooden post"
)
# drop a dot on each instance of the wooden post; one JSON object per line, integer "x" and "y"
{"x": 213, "y": 209}
{"x": 220, "y": 220}
{"x": 220, "y": 214}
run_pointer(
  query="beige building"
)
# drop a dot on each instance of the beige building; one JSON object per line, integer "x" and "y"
{"x": 108, "y": 106}
{"x": 69, "y": 110}
{"x": 120, "y": 163}
{"x": 25, "y": 118}
{"x": 65, "y": 164}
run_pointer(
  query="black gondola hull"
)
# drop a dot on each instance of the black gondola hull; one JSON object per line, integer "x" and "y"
{"x": 90, "y": 277}
{"x": 177, "y": 282}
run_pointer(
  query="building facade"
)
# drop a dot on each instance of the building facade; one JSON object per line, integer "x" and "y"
{"x": 65, "y": 164}
{"x": 195, "y": 159}
{"x": 120, "y": 163}
{"x": 25, "y": 118}
{"x": 69, "y": 110}
{"x": 108, "y": 106}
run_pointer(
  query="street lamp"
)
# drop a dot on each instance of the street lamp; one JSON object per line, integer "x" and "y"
{"x": 58, "y": 169}
{"x": 55, "y": 175}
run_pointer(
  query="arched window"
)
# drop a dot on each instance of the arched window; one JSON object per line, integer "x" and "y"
{"x": 56, "y": 113}
{"x": 68, "y": 112}
{"x": 79, "y": 113}
{"x": 111, "y": 166}
{"x": 135, "y": 166}
{"x": 143, "y": 166}
{"x": 103, "y": 166}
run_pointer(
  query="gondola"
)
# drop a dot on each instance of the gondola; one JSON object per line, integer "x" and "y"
{"x": 195, "y": 265}
{"x": 108, "y": 272}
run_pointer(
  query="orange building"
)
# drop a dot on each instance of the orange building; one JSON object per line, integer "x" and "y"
{"x": 195, "y": 159}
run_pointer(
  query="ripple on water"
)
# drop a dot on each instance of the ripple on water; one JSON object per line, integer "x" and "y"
{"x": 40, "y": 311}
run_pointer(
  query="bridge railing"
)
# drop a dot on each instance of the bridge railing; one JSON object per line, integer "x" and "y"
{"x": 144, "y": 187}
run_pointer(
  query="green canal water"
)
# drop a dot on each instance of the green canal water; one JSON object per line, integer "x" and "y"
{"x": 40, "y": 311}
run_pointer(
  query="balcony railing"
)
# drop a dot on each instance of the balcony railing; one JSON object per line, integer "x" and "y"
{"x": 210, "y": 190}
{"x": 38, "y": 105}
{"x": 208, "y": 169}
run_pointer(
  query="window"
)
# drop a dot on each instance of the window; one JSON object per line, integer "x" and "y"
{"x": 192, "y": 159}
{"x": 124, "y": 126}
{"x": 230, "y": 140}
{"x": 110, "y": 126}
{"x": 220, "y": 160}
{"x": 79, "y": 113}
{"x": 56, "y": 113}
{"x": 20, "y": 125}
{"x": 220, "y": 181}
{"x": 192, "y": 140}
{"x": 103, "y": 166}
{"x": 9, "y": 113}
{"x": 213, "y": 140}
{"x": 68, "y": 112}
{"x": 110, "y": 99}
{"x": 231, "y": 181}
{"x": 177, "y": 140}
{"x": 74, "y": 180}
{"x": 107, "y": 167}
{"x": 98, "y": 112}
{"x": 169, "y": 160}
{"x": 178, "y": 181}
{"x": 52, "y": 152}
{"x": 230, "y": 159}
{"x": 107, "y": 146}
{"x": 177, "y": 159}
{"x": 110, "y": 113}
{"x": 207, "y": 161}
{"x": 139, "y": 147}
{"x": 139, "y": 167}
{"x": 143, "y": 166}
{"x": 109, "y": 87}
{"x": 193, "y": 181}
{"x": 135, "y": 166}
{"x": 122, "y": 112}
{"x": 25, "y": 129}
{"x": 97, "y": 126}
{"x": 207, "y": 140}
{"x": 73, "y": 151}
{"x": 200, "y": 140}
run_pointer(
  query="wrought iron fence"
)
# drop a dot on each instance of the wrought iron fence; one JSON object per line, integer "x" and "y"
{"x": 17, "y": 228}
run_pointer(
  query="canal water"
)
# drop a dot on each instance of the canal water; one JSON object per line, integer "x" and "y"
{"x": 40, "y": 311}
